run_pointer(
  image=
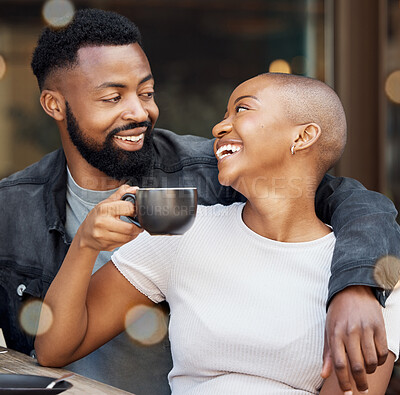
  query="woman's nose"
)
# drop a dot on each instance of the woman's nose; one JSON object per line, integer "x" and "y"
{"x": 222, "y": 128}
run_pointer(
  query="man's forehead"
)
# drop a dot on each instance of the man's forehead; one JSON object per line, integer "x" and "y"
{"x": 98, "y": 66}
{"x": 94, "y": 53}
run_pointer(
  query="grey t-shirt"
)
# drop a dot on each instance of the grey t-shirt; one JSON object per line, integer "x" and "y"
{"x": 79, "y": 202}
{"x": 121, "y": 362}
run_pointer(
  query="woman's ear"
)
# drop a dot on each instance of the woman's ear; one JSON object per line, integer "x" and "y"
{"x": 307, "y": 137}
{"x": 53, "y": 104}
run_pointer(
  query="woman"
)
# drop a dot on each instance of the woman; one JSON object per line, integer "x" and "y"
{"x": 247, "y": 284}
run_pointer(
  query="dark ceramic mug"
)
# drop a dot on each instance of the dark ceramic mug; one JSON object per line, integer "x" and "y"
{"x": 164, "y": 211}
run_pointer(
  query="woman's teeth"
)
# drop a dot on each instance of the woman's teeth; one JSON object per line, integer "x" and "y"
{"x": 226, "y": 150}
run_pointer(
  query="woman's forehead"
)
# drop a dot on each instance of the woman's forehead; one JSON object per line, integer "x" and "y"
{"x": 257, "y": 87}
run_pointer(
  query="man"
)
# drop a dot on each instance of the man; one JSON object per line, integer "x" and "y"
{"x": 96, "y": 83}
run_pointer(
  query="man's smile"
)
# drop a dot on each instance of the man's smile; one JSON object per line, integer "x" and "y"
{"x": 131, "y": 138}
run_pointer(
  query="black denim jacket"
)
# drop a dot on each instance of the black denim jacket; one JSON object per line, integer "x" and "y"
{"x": 33, "y": 242}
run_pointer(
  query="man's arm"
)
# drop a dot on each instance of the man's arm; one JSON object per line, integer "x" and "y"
{"x": 366, "y": 230}
{"x": 378, "y": 381}
{"x": 355, "y": 338}
{"x": 365, "y": 226}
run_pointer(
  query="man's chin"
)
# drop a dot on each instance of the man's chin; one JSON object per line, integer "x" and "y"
{"x": 125, "y": 164}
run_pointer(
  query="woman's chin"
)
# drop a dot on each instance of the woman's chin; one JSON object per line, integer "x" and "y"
{"x": 223, "y": 180}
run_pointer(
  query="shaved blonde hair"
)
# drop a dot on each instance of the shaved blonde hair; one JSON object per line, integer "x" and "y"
{"x": 307, "y": 100}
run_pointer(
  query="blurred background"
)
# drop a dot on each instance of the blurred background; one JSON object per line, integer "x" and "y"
{"x": 200, "y": 50}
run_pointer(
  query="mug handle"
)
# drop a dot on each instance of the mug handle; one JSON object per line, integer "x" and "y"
{"x": 130, "y": 197}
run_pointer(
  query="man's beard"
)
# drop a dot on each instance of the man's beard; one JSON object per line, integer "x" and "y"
{"x": 109, "y": 159}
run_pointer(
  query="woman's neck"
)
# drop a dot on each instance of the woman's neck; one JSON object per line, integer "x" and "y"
{"x": 285, "y": 216}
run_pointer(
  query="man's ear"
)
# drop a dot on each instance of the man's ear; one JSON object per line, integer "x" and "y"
{"x": 307, "y": 137}
{"x": 53, "y": 104}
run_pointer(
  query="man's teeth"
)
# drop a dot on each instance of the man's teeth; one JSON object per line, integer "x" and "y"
{"x": 131, "y": 138}
{"x": 226, "y": 150}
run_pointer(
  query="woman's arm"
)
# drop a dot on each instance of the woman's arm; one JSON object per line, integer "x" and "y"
{"x": 88, "y": 311}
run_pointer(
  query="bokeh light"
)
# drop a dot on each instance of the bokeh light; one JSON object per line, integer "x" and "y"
{"x": 30, "y": 314}
{"x": 387, "y": 271}
{"x": 3, "y": 67}
{"x": 58, "y": 13}
{"x": 392, "y": 86}
{"x": 146, "y": 325}
{"x": 279, "y": 66}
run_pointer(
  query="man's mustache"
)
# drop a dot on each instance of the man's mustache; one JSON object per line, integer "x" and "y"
{"x": 130, "y": 126}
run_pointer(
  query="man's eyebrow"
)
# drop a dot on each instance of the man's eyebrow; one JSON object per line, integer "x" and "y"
{"x": 110, "y": 84}
{"x": 243, "y": 97}
{"x": 149, "y": 77}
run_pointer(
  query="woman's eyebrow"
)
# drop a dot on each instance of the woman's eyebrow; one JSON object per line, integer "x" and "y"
{"x": 243, "y": 97}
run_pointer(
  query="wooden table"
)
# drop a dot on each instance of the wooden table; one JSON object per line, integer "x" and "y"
{"x": 14, "y": 362}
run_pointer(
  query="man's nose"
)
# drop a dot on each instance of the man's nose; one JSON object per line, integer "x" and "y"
{"x": 135, "y": 111}
{"x": 222, "y": 128}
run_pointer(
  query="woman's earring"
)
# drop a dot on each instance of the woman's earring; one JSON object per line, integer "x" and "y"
{"x": 292, "y": 149}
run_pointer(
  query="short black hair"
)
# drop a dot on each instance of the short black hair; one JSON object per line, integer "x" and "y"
{"x": 57, "y": 48}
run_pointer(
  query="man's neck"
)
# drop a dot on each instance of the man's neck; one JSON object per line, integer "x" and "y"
{"x": 88, "y": 177}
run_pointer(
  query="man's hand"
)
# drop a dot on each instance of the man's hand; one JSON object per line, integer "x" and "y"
{"x": 103, "y": 230}
{"x": 354, "y": 335}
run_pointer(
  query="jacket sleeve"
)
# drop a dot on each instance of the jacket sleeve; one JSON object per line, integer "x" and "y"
{"x": 365, "y": 227}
